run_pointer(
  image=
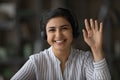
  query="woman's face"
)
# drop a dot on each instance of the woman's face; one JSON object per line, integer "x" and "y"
{"x": 59, "y": 33}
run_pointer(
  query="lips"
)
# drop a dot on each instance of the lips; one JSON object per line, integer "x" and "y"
{"x": 59, "y": 41}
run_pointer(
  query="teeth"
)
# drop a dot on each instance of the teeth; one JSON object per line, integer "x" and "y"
{"x": 60, "y": 41}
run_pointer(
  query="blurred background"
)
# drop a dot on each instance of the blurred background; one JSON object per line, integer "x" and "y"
{"x": 20, "y": 30}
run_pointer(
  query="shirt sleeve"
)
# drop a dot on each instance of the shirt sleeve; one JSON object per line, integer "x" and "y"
{"x": 26, "y": 72}
{"x": 96, "y": 70}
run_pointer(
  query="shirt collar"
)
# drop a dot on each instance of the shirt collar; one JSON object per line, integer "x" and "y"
{"x": 70, "y": 58}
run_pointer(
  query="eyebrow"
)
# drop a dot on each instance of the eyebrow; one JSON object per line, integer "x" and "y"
{"x": 50, "y": 27}
{"x": 60, "y": 26}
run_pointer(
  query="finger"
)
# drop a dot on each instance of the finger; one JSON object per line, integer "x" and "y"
{"x": 96, "y": 25}
{"x": 92, "y": 24}
{"x": 84, "y": 34}
{"x": 101, "y": 27}
{"x": 87, "y": 26}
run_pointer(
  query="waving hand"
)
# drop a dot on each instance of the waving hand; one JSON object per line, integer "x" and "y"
{"x": 93, "y": 37}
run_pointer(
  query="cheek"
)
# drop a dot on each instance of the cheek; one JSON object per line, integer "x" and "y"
{"x": 49, "y": 38}
{"x": 69, "y": 35}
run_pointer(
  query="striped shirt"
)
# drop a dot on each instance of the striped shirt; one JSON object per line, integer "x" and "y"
{"x": 79, "y": 66}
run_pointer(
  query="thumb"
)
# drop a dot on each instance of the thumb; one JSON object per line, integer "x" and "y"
{"x": 84, "y": 34}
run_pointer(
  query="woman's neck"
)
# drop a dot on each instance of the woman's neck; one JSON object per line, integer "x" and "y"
{"x": 62, "y": 55}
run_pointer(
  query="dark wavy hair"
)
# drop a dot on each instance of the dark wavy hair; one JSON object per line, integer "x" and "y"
{"x": 59, "y": 12}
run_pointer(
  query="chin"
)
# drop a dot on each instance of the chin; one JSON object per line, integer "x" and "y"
{"x": 60, "y": 48}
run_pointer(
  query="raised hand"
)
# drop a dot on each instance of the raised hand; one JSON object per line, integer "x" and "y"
{"x": 93, "y": 37}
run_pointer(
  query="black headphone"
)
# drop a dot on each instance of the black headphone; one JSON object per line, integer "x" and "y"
{"x": 73, "y": 22}
{"x": 43, "y": 35}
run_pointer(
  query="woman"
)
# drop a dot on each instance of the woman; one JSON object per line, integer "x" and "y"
{"x": 61, "y": 61}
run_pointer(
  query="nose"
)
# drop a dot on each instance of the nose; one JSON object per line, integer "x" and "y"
{"x": 58, "y": 33}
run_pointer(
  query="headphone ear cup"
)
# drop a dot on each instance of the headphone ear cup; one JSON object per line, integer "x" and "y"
{"x": 43, "y": 35}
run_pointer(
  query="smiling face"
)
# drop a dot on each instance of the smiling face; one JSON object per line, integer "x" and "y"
{"x": 59, "y": 33}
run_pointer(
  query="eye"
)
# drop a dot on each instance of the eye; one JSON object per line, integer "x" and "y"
{"x": 51, "y": 30}
{"x": 64, "y": 28}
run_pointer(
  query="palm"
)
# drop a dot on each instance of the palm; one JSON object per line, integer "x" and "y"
{"x": 93, "y": 34}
